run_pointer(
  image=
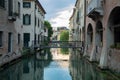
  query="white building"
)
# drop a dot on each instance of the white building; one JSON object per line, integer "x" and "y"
{"x": 21, "y": 24}
{"x": 77, "y": 22}
{"x": 33, "y": 22}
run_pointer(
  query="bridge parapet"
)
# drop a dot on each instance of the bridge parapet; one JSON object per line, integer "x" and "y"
{"x": 63, "y": 44}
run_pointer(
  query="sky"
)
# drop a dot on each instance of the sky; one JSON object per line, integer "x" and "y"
{"x": 58, "y": 11}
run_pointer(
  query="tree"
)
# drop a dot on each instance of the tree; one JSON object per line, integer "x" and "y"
{"x": 64, "y": 36}
{"x": 50, "y": 31}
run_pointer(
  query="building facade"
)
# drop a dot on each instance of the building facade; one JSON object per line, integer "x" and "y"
{"x": 33, "y": 22}
{"x": 9, "y": 46}
{"x": 21, "y": 25}
{"x": 102, "y": 29}
{"x": 77, "y": 22}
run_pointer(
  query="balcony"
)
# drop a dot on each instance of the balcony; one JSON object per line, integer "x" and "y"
{"x": 12, "y": 16}
{"x": 95, "y": 9}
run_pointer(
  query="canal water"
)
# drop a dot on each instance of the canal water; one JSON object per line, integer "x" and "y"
{"x": 35, "y": 69}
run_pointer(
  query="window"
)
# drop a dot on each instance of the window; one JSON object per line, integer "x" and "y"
{"x": 1, "y": 38}
{"x": 38, "y": 38}
{"x": 35, "y": 20}
{"x": 42, "y": 25}
{"x": 2, "y": 3}
{"x": 27, "y": 19}
{"x": 35, "y": 6}
{"x": 26, "y": 39}
{"x": 26, "y": 4}
{"x": 19, "y": 9}
{"x": 18, "y": 38}
{"x": 10, "y": 7}
{"x": 45, "y": 30}
{"x": 38, "y": 23}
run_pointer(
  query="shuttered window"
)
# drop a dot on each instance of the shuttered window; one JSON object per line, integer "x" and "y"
{"x": 27, "y": 19}
{"x": 26, "y": 4}
{"x": 1, "y": 38}
{"x": 2, "y": 3}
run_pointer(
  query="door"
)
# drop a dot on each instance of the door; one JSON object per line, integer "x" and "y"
{"x": 26, "y": 39}
{"x": 9, "y": 42}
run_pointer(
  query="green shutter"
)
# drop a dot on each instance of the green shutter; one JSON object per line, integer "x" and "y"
{"x": 29, "y": 19}
{"x": 23, "y": 19}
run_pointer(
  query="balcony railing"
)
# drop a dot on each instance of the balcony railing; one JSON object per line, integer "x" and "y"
{"x": 95, "y": 8}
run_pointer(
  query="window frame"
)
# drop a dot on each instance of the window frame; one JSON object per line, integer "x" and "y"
{"x": 24, "y": 19}
{"x": 19, "y": 9}
{"x": 19, "y": 37}
{"x": 26, "y": 4}
{"x": 2, "y": 3}
{"x": 1, "y": 38}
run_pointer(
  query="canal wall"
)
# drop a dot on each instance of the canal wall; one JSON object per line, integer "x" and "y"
{"x": 7, "y": 58}
{"x": 114, "y": 60}
{"x": 101, "y": 34}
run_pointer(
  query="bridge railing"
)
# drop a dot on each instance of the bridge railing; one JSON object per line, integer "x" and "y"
{"x": 64, "y": 44}
{"x": 57, "y": 44}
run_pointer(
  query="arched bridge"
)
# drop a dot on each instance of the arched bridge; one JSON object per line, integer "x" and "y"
{"x": 62, "y": 44}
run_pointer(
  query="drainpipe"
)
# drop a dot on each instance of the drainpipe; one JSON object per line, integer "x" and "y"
{"x": 84, "y": 41}
{"x": 34, "y": 24}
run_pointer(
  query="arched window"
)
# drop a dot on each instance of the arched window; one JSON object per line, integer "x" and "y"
{"x": 90, "y": 32}
{"x": 99, "y": 30}
{"x": 26, "y": 19}
{"x": 114, "y": 26}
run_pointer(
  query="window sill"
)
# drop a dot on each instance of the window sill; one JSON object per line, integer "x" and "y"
{"x": 26, "y": 24}
{"x": 27, "y": 7}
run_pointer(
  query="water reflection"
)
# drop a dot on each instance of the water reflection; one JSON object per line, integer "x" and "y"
{"x": 57, "y": 70}
{"x": 34, "y": 69}
{"x": 27, "y": 69}
{"x": 83, "y": 70}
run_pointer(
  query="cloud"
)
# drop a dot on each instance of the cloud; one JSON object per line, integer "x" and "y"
{"x": 62, "y": 17}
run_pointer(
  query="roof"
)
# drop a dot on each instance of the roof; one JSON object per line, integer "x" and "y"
{"x": 40, "y": 6}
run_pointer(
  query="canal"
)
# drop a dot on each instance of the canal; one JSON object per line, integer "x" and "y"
{"x": 34, "y": 69}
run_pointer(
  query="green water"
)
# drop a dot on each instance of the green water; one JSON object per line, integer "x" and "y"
{"x": 35, "y": 69}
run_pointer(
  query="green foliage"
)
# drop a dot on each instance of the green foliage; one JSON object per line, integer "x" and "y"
{"x": 50, "y": 31}
{"x": 112, "y": 46}
{"x": 64, "y": 36}
{"x": 25, "y": 51}
{"x": 64, "y": 50}
{"x": 116, "y": 46}
{"x": 49, "y": 54}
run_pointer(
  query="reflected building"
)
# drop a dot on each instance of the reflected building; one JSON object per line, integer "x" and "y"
{"x": 24, "y": 70}
{"x": 32, "y": 70}
{"x": 12, "y": 73}
{"x": 100, "y": 31}
{"x": 84, "y": 70}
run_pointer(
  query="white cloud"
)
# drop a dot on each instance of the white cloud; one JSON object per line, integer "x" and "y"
{"x": 62, "y": 17}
